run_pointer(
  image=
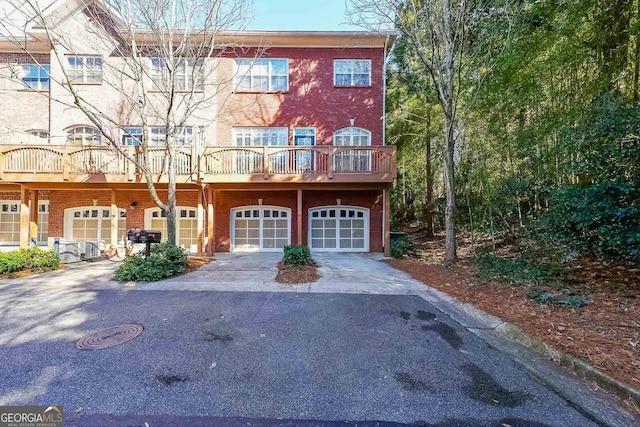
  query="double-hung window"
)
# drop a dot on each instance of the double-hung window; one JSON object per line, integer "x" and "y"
{"x": 84, "y": 69}
{"x": 36, "y": 76}
{"x": 157, "y": 136}
{"x": 185, "y": 75}
{"x": 352, "y": 72}
{"x": 261, "y": 75}
{"x": 250, "y": 161}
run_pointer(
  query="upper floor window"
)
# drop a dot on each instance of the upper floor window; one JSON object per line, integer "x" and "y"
{"x": 84, "y": 69}
{"x": 352, "y": 72}
{"x": 157, "y": 135}
{"x": 261, "y": 75}
{"x": 83, "y": 135}
{"x": 261, "y": 136}
{"x": 187, "y": 74}
{"x": 352, "y": 136}
{"x": 40, "y": 133}
{"x": 36, "y": 76}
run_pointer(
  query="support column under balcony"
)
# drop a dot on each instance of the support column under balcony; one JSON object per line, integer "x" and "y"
{"x": 210, "y": 221}
{"x": 24, "y": 217}
{"x": 386, "y": 220}
{"x": 299, "y": 212}
{"x": 115, "y": 217}
{"x": 33, "y": 222}
{"x": 200, "y": 222}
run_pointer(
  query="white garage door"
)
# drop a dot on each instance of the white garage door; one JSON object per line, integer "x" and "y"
{"x": 186, "y": 225}
{"x": 339, "y": 229}
{"x": 10, "y": 222}
{"x": 260, "y": 228}
{"x": 93, "y": 223}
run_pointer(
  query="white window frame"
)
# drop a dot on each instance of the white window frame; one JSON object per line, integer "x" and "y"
{"x": 88, "y": 71}
{"x": 16, "y": 221}
{"x": 40, "y": 133}
{"x": 367, "y": 228}
{"x": 262, "y": 208}
{"x": 68, "y": 221}
{"x": 42, "y": 79}
{"x": 251, "y": 74}
{"x": 132, "y": 135}
{"x": 148, "y": 216}
{"x": 352, "y": 132}
{"x": 189, "y": 74}
{"x": 88, "y": 135}
{"x": 252, "y": 133}
{"x": 350, "y": 73}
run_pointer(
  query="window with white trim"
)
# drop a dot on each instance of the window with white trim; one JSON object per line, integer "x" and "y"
{"x": 132, "y": 135}
{"x": 261, "y": 75}
{"x": 261, "y": 136}
{"x": 39, "y": 133}
{"x": 83, "y": 135}
{"x": 84, "y": 69}
{"x": 187, "y": 73}
{"x": 36, "y": 76}
{"x": 352, "y": 136}
{"x": 352, "y": 72}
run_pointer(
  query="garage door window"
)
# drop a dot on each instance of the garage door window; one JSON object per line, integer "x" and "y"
{"x": 93, "y": 224}
{"x": 186, "y": 230}
{"x": 260, "y": 228}
{"x": 339, "y": 229}
{"x": 10, "y": 222}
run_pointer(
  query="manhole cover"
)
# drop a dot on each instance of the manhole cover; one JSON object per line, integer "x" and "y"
{"x": 109, "y": 337}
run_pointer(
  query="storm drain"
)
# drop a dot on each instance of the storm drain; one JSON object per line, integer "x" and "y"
{"x": 109, "y": 337}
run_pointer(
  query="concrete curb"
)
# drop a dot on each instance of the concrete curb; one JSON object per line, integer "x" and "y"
{"x": 579, "y": 366}
{"x": 511, "y": 340}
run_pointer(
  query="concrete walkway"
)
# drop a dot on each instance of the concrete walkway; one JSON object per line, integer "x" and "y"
{"x": 256, "y": 272}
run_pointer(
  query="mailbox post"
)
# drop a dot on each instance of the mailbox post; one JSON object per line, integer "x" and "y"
{"x": 144, "y": 236}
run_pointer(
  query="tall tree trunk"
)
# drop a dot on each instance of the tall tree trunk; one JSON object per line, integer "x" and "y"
{"x": 636, "y": 58}
{"x": 170, "y": 210}
{"x": 450, "y": 254}
{"x": 429, "y": 182}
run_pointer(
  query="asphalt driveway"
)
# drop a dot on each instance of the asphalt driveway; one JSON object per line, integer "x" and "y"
{"x": 259, "y": 358}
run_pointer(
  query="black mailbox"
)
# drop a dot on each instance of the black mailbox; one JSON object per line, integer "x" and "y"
{"x": 133, "y": 235}
{"x": 149, "y": 236}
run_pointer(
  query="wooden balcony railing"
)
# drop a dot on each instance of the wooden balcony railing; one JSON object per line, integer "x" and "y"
{"x": 47, "y": 163}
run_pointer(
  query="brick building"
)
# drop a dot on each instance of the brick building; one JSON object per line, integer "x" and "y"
{"x": 290, "y": 151}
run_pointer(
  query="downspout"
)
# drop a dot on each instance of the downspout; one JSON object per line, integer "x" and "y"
{"x": 384, "y": 126}
{"x": 384, "y": 92}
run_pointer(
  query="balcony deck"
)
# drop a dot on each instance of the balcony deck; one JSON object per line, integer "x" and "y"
{"x": 219, "y": 164}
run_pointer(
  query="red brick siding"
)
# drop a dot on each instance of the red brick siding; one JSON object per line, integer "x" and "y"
{"x": 61, "y": 200}
{"x": 312, "y": 99}
{"x": 24, "y": 58}
{"x": 366, "y": 199}
{"x": 227, "y": 200}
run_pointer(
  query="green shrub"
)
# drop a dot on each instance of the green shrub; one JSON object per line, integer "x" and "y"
{"x": 402, "y": 246}
{"x": 31, "y": 259}
{"x": 297, "y": 255}
{"x": 165, "y": 260}
{"x": 601, "y": 219}
{"x": 571, "y": 301}
{"x": 516, "y": 271}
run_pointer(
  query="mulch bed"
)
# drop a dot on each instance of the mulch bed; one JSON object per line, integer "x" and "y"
{"x": 195, "y": 263}
{"x": 26, "y": 273}
{"x": 292, "y": 275}
{"x": 605, "y": 332}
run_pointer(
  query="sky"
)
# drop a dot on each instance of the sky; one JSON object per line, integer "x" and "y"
{"x": 310, "y": 15}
